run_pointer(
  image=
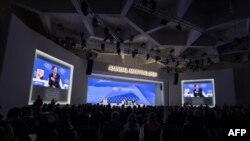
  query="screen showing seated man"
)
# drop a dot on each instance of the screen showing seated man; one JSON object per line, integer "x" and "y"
{"x": 120, "y": 92}
{"x": 51, "y": 79}
{"x": 198, "y": 92}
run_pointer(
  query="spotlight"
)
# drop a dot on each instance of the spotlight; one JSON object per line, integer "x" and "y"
{"x": 147, "y": 57}
{"x": 164, "y": 22}
{"x": 103, "y": 46}
{"x": 179, "y": 27}
{"x": 84, "y": 8}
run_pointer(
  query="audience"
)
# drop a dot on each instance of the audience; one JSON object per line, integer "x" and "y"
{"x": 52, "y": 122}
{"x": 132, "y": 129}
{"x": 152, "y": 129}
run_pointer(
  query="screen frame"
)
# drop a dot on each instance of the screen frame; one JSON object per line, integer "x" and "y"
{"x": 59, "y": 62}
{"x": 197, "y": 80}
{"x": 128, "y": 79}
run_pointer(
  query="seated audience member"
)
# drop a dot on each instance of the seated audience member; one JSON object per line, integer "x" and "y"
{"x": 66, "y": 130}
{"x": 131, "y": 129}
{"x": 112, "y": 129}
{"x": 193, "y": 130}
{"x": 152, "y": 129}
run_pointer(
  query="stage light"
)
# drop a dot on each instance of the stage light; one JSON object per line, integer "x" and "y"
{"x": 147, "y": 57}
{"x": 164, "y": 22}
{"x": 179, "y": 27}
{"x": 103, "y": 46}
{"x": 84, "y": 8}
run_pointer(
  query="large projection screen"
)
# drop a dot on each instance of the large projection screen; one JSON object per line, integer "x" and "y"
{"x": 51, "y": 79}
{"x": 198, "y": 92}
{"x": 102, "y": 90}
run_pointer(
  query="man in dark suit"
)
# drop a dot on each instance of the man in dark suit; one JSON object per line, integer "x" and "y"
{"x": 54, "y": 78}
{"x": 197, "y": 91}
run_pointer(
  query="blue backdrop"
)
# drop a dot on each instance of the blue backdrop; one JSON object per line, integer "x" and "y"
{"x": 206, "y": 86}
{"x": 46, "y": 66}
{"x": 117, "y": 91}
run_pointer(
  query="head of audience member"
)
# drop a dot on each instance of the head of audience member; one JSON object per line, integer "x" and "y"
{"x": 14, "y": 114}
{"x": 132, "y": 121}
{"x": 152, "y": 117}
{"x": 115, "y": 116}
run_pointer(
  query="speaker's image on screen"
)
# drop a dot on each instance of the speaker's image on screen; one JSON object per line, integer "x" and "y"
{"x": 119, "y": 92}
{"x": 197, "y": 92}
{"x": 51, "y": 79}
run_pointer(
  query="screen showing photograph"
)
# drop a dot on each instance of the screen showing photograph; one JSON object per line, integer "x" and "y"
{"x": 51, "y": 79}
{"x": 198, "y": 92}
{"x": 116, "y": 92}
